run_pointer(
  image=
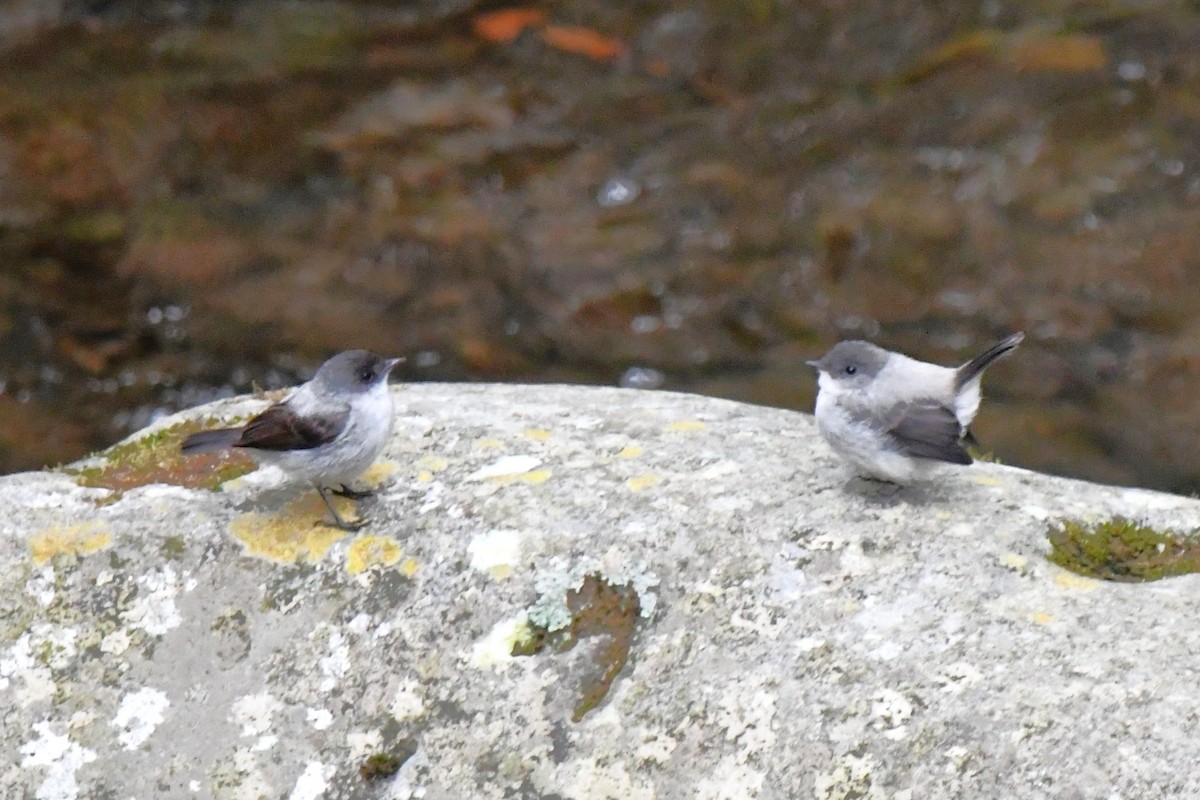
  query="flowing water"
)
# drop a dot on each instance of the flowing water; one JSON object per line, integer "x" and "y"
{"x": 211, "y": 196}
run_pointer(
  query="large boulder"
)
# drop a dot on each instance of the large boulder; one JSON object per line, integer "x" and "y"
{"x": 571, "y": 592}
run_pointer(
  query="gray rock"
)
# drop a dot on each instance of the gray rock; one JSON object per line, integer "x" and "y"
{"x": 757, "y": 624}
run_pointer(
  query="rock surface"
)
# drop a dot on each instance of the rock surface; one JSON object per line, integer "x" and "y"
{"x": 756, "y": 624}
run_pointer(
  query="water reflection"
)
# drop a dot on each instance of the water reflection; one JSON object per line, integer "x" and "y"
{"x": 673, "y": 198}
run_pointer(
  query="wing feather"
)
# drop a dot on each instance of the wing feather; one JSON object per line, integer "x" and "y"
{"x": 281, "y": 428}
{"x": 926, "y": 429}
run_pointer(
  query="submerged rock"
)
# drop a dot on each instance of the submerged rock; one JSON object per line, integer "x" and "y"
{"x": 582, "y": 593}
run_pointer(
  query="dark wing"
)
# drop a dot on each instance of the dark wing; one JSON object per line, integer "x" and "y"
{"x": 281, "y": 428}
{"x": 927, "y": 430}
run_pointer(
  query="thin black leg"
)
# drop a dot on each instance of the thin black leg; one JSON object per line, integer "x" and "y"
{"x": 338, "y": 522}
{"x": 352, "y": 494}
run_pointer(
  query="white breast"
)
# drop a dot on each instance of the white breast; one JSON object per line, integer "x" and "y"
{"x": 367, "y": 431}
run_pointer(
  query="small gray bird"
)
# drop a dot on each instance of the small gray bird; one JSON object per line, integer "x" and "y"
{"x": 895, "y": 418}
{"x": 327, "y": 431}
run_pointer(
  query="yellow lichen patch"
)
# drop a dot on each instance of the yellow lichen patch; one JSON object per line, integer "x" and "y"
{"x": 76, "y": 540}
{"x": 533, "y": 477}
{"x": 495, "y": 649}
{"x": 1014, "y": 560}
{"x": 488, "y": 444}
{"x": 537, "y": 434}
{"x": 379, "y": 472}
{"x": 372, "y": 551}
{"x": 291, "y": 536}
{"x": 985, "y": 480}
{"x": 687, "y": 425}
{"x": 433, "y": 463}
{"x": 1041, "y": 617}
{"x": 425, "y": 476}
{"x": 1069, "y": 580}
{"x": 630, "y": 451}
{"x": 643, "y": 481}
{"x": 408, "y": 567}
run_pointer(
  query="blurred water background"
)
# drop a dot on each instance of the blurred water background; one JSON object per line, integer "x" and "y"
{"x": 199, "y": 196}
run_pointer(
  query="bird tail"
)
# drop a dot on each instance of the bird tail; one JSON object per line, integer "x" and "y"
{"x": 972, "y": 369}
{"x": 207, "y": 441}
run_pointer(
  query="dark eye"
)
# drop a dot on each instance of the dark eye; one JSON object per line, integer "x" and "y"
{"x": 366, "y": 374}
{"x": 851, "y": 369}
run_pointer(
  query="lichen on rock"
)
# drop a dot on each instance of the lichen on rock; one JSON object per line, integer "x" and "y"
{"x": 754, "y": 624}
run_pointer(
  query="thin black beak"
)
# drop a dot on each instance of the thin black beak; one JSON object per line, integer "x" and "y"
{"x": 392, "y": 362}
{"x": 815, "y": 364}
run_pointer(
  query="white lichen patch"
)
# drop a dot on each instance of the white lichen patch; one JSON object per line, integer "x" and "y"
{"x": 592, "y": 779}
{"x": 495, "y": 649}
{"x": 54, "y": 646}
{"x": 253, "y": 712}
{"x": 41, "y": 586}
{"x": 890, "y": 712}
{"x": 319, "y": 718}
{"x": 656, "y": 747}
{"x": 245, "y": 777}
{"x": 138, "y": 715}
{"x": 364, "y": 743}
{"x": 335, "y": 665}
{"x": 313, "y": 781}
{"x": 59, "y": 757}
{"x": 852, "y": 778}
{"x": 407, "y": 703}
{"x": 264, "y": 743}
{"x": 746, "y": 717}
{"x": 731, "y": 781}
{"x": 32, "y": 676}
{"x": 506, "y": 466}
{"x": 116, "y": 642}
{"x": 154, "y": 610}
{"x": 81, "y": 719}
{"x": 956, "y": 677}
{"x": 496, "y": 552}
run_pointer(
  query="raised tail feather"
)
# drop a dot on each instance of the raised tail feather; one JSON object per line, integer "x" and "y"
{"x": 208, "y": 441}
{"x": 970, "y": 370}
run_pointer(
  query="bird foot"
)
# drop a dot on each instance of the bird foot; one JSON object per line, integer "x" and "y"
{"x": 351, "y": 493}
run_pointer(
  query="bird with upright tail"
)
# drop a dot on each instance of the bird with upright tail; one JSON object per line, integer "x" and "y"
{"x": 894, "y": 418}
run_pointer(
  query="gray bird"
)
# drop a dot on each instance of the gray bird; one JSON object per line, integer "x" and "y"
{"x": 895, "y": 418}
{"x": 326, "y": 432}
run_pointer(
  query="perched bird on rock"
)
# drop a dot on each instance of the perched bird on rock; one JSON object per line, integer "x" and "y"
{"x": 326, "y": 432}
{"x": 895, "y": 418}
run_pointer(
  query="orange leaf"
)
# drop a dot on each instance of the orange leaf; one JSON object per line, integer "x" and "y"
{"x": 583, "y": 41}
{"x": 507, "y": 24}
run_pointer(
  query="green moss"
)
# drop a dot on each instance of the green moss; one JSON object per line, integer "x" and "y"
{"x": 598, "y": 609}
{"x": 173, "y": 548}
{"x": 155, "y": 458}
{"x": 1121, "y": 549}
{"x": 379, "y": 766}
